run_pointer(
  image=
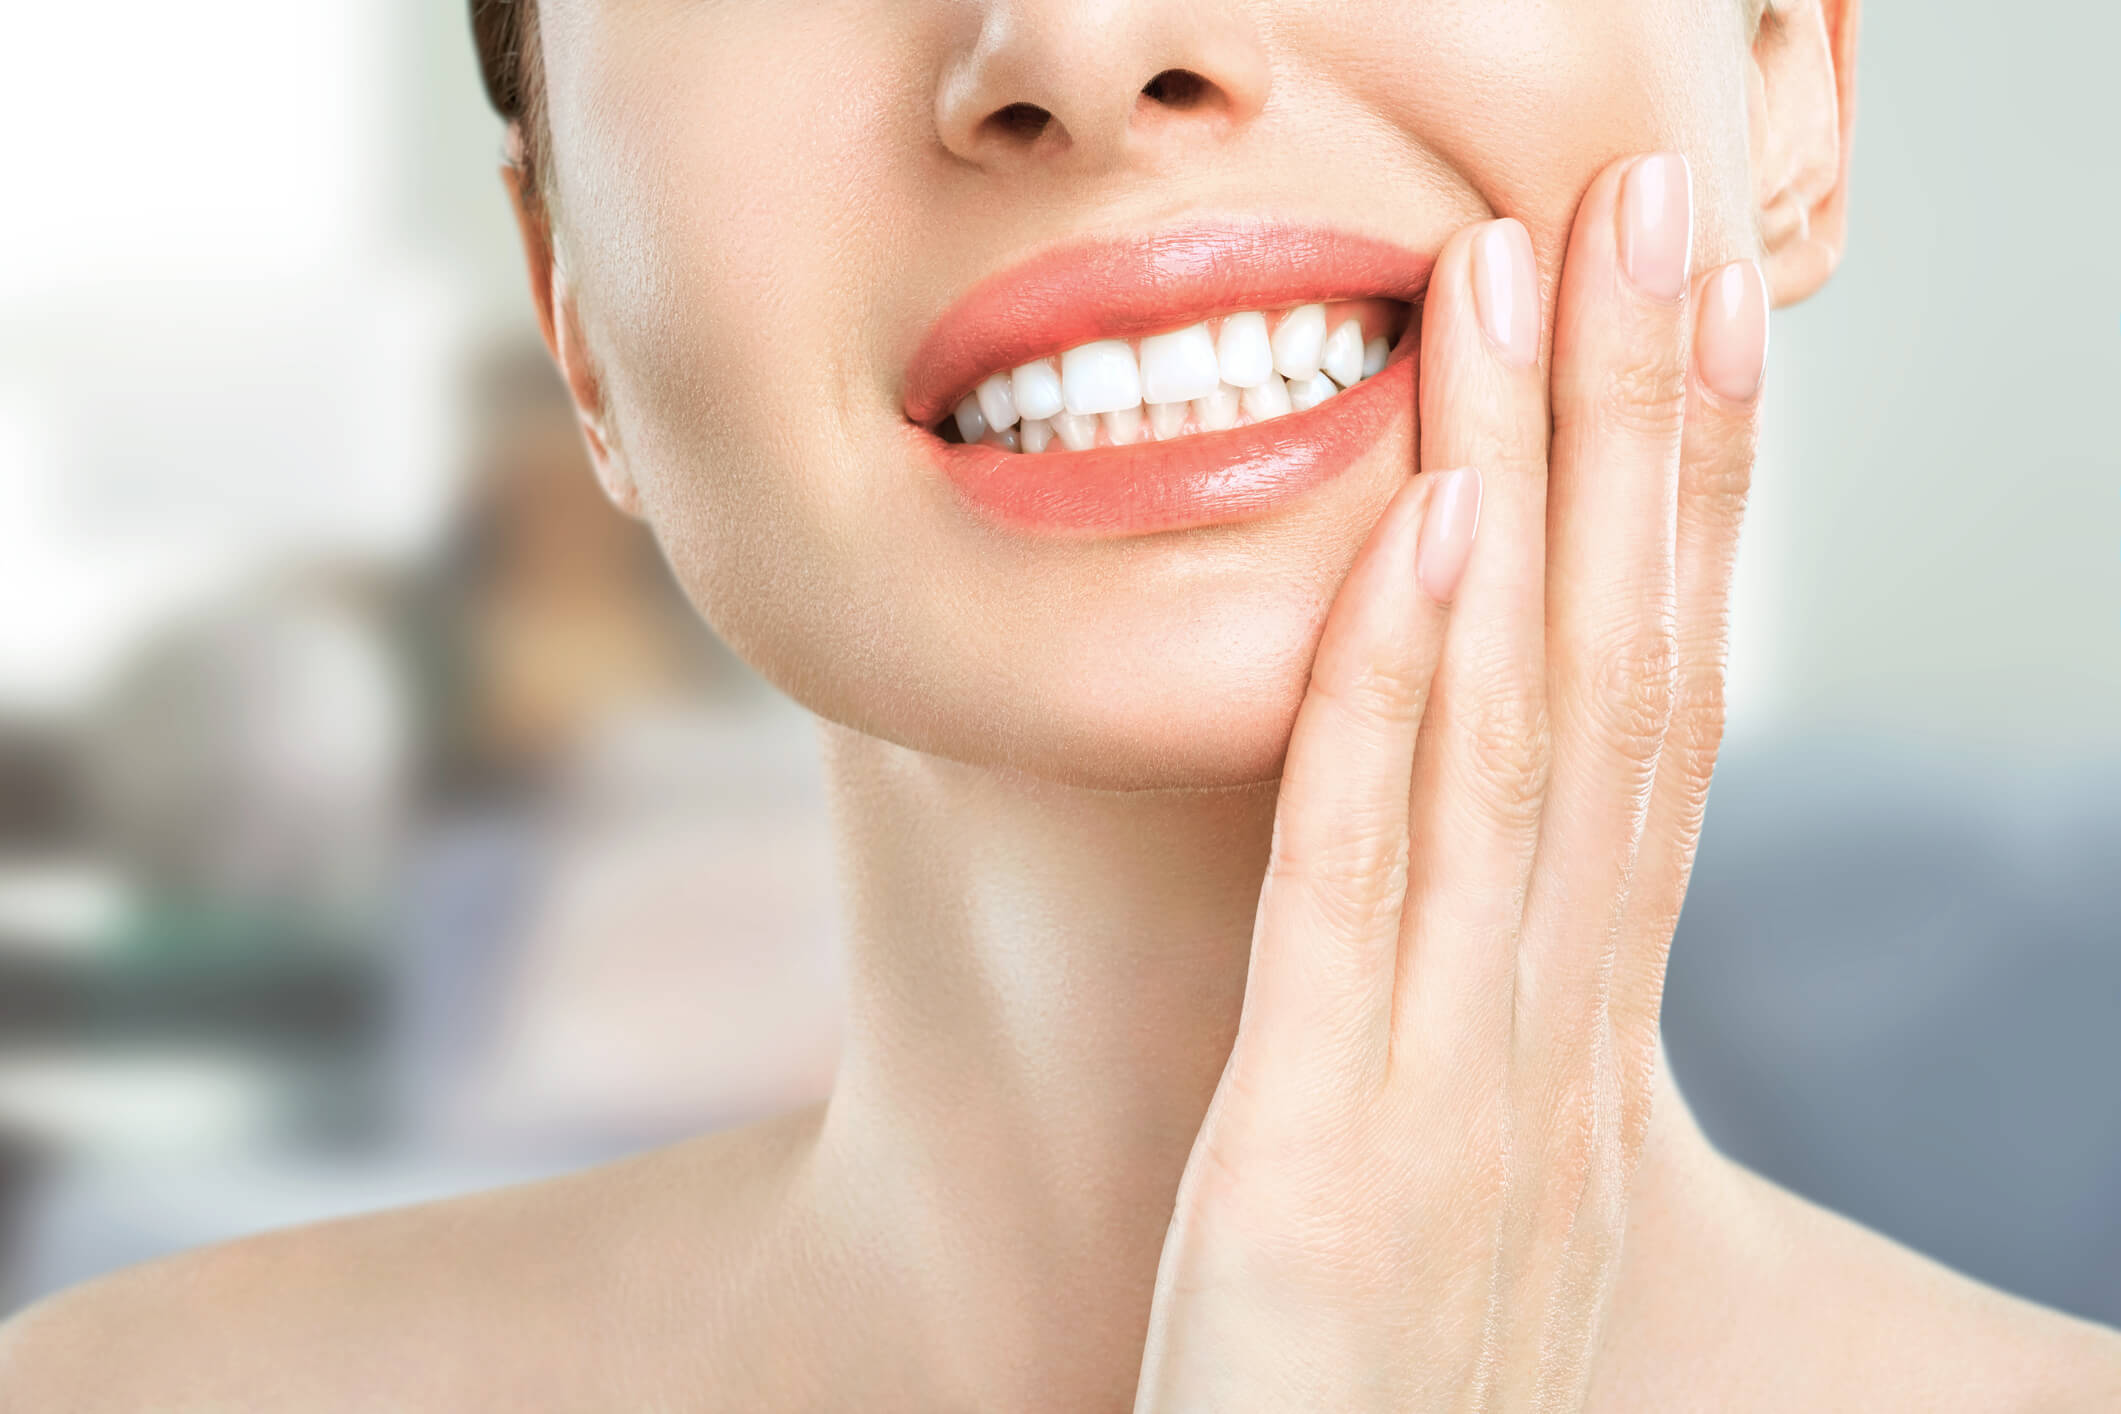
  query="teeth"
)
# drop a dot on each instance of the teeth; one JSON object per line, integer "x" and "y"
{"x": 1218, "y": 412}
{"x": 1269, "y": 399}
{"x": 997, "y": 401}
{"x": 1243, "y": 351}
{"x": 1177, "y": 368}
{"x": 1036, "y": 389}
{"x": 1100, "y": 377}
{"x": 1310, "y": 392}
{"x": 1342, "y": 359}
{"x": 1208, "y": 377}
{"x": 1076, "y": 430}
{"x": 1300, "y": 341}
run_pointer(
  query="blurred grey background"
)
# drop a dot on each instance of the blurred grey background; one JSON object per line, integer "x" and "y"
{"x": 376, "y": 822}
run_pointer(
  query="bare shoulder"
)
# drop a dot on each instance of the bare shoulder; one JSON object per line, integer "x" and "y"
{"x": 1970, "y": 1345}
{"x": 1782, "y": 1304}
{"x": 511, "y": 1298}
{"x": 2058, "y": 1364}
{"x": 1908, "y": 1323}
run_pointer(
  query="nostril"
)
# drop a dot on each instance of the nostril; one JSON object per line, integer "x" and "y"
{"x": 1176, "y": 88}
{"x": 1019, "y": 121}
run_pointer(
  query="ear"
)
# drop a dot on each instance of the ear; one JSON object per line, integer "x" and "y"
{"x": 562, "y": 328}
{"x": 1802, "y": 104}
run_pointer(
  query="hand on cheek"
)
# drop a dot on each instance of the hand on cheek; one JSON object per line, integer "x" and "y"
{"x": 1410, "y": 1188}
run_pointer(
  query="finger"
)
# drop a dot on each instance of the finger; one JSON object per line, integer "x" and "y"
{"x": 1480, "y": 767}
{"x": 1715, "y": 473}
{"x": 1621, "y": 336}
{"x": 1320, "y": 980}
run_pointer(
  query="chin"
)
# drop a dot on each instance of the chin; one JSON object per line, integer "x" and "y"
{"x": 1178, "y": 665}
{"x": 1198, "y": 700}
{"x": 1197, "y": 724}
{"x": 1146, "y": 662}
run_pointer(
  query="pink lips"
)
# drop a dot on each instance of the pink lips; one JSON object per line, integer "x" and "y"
{"x": 1122, "y": 288}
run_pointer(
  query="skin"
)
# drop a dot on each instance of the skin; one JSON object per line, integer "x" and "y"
{"x": 1152, "y": 1050}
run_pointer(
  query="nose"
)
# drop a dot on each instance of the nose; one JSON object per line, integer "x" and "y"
{"x": 1090, "y": 85}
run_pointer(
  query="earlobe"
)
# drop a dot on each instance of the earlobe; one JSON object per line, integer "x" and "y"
{"x": 610, "y": 470}
{"x": 1802, "y": 109}
{"x": 558, "y": 322}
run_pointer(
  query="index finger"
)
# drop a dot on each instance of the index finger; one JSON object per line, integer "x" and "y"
{"x": 1324, "y": 944}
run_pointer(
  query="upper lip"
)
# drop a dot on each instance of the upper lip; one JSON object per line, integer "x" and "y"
{"x": 1107, "y": 288}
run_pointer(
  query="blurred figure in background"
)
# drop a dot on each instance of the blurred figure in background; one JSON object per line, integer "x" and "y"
{"x": 453, "y": 872}
{"x": 548, "y": 614}
{"x": 627, "y": 874}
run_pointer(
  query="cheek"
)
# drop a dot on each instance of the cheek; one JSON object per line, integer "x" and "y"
{"x": 1526, "y": 100}
{"x": 710, "y": 191}
{"x": 728, "y": 227}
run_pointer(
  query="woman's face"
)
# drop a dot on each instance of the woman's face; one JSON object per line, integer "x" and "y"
{"x": 762, "y": 208}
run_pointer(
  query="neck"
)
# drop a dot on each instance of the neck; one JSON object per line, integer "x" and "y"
{"x": 1059, "y": 970}
{"x": 1043, "y": 985}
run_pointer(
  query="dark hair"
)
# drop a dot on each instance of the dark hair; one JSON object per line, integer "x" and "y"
{"x": 506, "y": 33}
{"x": 498, "y": 28}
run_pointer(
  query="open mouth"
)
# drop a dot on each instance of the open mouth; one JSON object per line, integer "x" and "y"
{"x": 1168, "y": 379}
{"x": 1214, "y": 375}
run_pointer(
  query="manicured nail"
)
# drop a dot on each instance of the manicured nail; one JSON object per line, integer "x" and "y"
{"x": 1505, "y": 289}
{"x": 1447, "y": 532}
{"x": 1657, "y": 224}
{"x": 1730, "y": 335}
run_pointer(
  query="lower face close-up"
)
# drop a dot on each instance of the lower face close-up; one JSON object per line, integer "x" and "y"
{"x": 1022, "y": 393}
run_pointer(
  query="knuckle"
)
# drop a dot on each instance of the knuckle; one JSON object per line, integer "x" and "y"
{"x": 1720, "y": 475}
{"x": 1511, "y": 752}
{"x": 1696, "y": 734}
{"x": 1247, "y": 1183}
{"x": 1280, "y": 1179}
{"x": 1630, "y": 691}
{"x": 1643, "y": 394}
{"x": 1687, "y": 763}
{"x": 1388, "y": 694}
{"x": 1516, "y": 445}
{"x": 1355, "y": 877}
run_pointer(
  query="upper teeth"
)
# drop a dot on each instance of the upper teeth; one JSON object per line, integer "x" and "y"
{"x": 1196, "y": 379}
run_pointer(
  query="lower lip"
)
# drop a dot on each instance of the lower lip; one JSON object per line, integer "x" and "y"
{"x": 1206, "y": 479}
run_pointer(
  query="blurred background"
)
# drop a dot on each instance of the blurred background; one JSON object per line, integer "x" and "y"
{"x": 377, "y": 822}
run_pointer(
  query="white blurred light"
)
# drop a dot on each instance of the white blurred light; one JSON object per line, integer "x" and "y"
{"x": 65, "y": 614}
{"x": 63, "y": 907}
{"x": 161, "y": 1101}
{"x": 158, "y": 141}
{"x": 1757, "y": 689}
{"x": 216, "y": 353}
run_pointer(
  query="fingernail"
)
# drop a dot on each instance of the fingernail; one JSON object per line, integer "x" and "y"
{"x": 1447, "y": 532}
{"x": 1657, "y": 224}
{"x": 1731, "y": 332}
{"x": 1505, "y": 290}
